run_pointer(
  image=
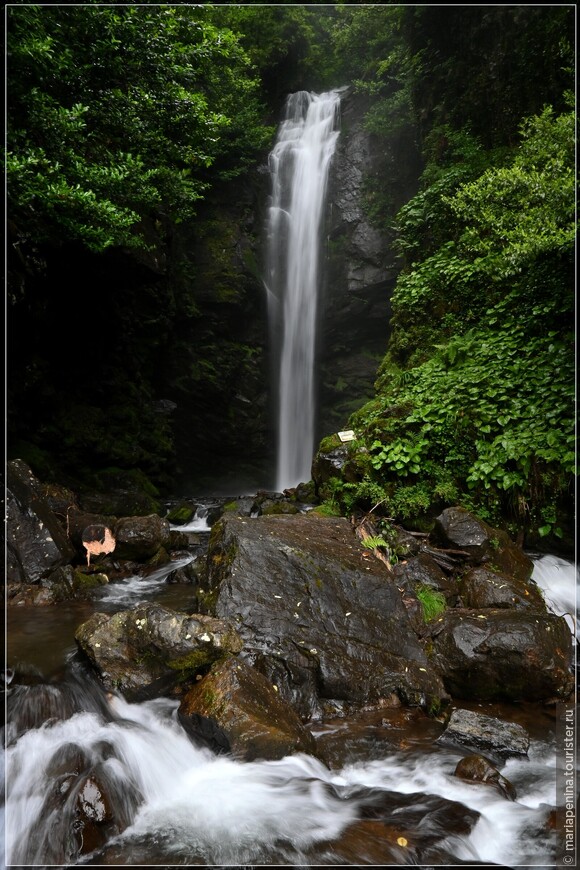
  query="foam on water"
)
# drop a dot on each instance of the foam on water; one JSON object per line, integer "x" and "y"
{"x": 195, "y": 803}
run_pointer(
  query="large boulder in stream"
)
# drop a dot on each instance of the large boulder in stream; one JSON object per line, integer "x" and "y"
{"x": 319, "y": 616}
{"x": 495, "y": 737}
{"x": 148, "y": 648}
{"x": 257, "y": 722}
{"x": 501, "y": 654}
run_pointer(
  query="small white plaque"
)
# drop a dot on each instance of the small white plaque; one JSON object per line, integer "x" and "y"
{"x": 347, "y": 436}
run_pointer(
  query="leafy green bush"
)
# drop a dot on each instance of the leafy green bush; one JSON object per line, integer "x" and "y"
{"x": 475, "y": 398}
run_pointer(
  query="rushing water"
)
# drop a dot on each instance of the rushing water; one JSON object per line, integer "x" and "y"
{"x": 148, "y": 794}
{"x": 299, "y": 165}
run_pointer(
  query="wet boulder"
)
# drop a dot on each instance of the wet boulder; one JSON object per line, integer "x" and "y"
{"x": 181, "y": 514}
{"x": 203, "y": 731}
{"x": 397, "y": 829}
{"x": 330, "y": 461}
{"x": 245, "y": 506}
{"x": 481, "y": 587}
{"x": 36, "y": 541}
{"x": 68, "y": 583}
{"x": 456, "y": 528}
{"x": 477, "y": 769}
{"x": 487, "y": 734}
{"x": 153, "y": 646}
{"x": 319, "y": 616}
{"x": 503, "y": 654}
{"x": 422, "y": 570}
{"x": 139, "y": 538}
{"x": 78, "y": 521}
{"x": 256, "y": 721}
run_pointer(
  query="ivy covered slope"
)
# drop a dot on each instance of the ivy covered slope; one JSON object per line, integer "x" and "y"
{"x": 475, "y": 396}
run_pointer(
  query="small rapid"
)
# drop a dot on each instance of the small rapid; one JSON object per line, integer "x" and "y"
{"x": 137, "y": 781}
{"x": 94, "y": 779}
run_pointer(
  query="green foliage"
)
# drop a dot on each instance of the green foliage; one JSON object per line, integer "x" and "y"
{"x": 475, "y": 401}
{"x": 538, "y": 188}
{"x": 374, "y": 542}
{"x": 432, "y": 602}
{"x": 326, "y": 509}
{"x": 115, "y": 115}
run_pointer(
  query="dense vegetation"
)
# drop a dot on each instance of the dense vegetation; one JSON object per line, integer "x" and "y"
{"x": 475, "y": 396}
{"x": 129, "y": 126}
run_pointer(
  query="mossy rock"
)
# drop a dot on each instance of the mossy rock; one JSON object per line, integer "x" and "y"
{"x": 180, "y": 515}
{"x": 275, "y": 508}
{"x": 329, "y": 443}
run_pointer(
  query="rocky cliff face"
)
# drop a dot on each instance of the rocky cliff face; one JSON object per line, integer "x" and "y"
{"x": 360, "y": 273}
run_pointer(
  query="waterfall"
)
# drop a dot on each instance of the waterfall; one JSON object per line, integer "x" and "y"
{"x": 299, "y": 164}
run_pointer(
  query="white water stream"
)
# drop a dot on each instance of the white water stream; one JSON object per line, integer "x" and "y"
{"x": 186, "y": 805}
{"x": 299, "y": 164}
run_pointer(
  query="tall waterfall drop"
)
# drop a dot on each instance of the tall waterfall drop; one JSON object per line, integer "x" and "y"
{"x": 299, "y": 164}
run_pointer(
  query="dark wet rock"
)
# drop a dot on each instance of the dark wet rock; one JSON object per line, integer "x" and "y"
{"x": 246, "y": 506}
{"x": 68, "y": 762}
{"x": 178, "y": 540}
{"x": 204, "y": 731}
{"x": 456, "y": 528}
{"x": 36, "y": 541}
{"x": 359, "y": 270}
{"x": 70, "y": 584}
{"x": 187, "y": 574}
{"x": 257, "y": 722}
{"x": 61, "y": 500}
{"x": 273, "y": 508}
{"x": 406, "y": 545}
{"x": 317, "y": 616}
{"x": 503, "y": 654}
{"x": 79, "y": 521}
{"x": 396, "y": 829}
{"x": 329, "y": 464}
{"x": 140, "y": 538}
{"x": 422, "y": 570}
{"x": 476, "y": 768}
{"x": 481, "y": 587}
{"x": 370, "y": 734}
{"x": 131, "y": 650}
{"x": 94, "y": 815}
{"x": 495, "y": 737}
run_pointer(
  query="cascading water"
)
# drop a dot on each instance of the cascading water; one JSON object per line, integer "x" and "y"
{"x": 92, "y": 779}
{"x": 299, "y": 164}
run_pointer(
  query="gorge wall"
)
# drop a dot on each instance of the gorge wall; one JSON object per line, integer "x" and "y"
{"x": 233, "y": 416}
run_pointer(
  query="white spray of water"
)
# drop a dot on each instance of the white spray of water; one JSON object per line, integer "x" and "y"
{"x": 299, "y": 166}
{"x": 193, "y": 802}
{"x": 558, "y": 580}
{"x": 199, "y": 523}
{"x": 134, "y": 589}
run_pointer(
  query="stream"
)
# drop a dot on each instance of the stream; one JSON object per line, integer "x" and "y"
{"x": 386, "y": 793}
